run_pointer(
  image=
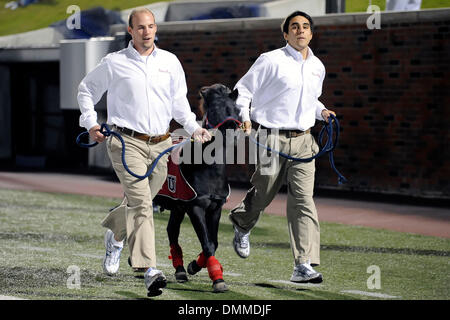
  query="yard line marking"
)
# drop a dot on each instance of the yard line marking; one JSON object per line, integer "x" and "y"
{"x": 10, "y": 298}
{"x": 36, "y": 248}
{"x": 314, "y": 285}
{"x": 165, "y": 265}
{"x": 87, "y": 255}
{"x": 232, "y": 274}
{"x": 370, "y": 294}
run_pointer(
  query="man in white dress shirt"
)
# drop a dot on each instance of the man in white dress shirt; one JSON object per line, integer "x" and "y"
{"x": 280, "y": 92}
{"x": 146, "y": 89}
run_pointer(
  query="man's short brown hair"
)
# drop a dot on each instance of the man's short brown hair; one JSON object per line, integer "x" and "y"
{"x": 138, "y": 10}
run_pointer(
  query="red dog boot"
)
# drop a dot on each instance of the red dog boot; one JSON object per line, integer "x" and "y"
{"x": 176, "y": 255}
{"x": 197, "y": 265}
{"x": 215, "y": 272}
{"x": 201, "y": 260}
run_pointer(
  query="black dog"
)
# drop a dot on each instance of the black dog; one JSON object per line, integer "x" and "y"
{"x": 209, "y": 181}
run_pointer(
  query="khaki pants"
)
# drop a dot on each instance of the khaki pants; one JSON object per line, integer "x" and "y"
{"x": 133, "y": 219}
{"x": 303, "y": 223}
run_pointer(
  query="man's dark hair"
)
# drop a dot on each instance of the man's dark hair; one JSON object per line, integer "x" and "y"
{"x": 285, "y": 24}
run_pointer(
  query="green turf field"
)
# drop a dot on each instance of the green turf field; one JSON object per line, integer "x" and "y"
{"x": 45, "y": 238}
{"x": 45, "y": 12}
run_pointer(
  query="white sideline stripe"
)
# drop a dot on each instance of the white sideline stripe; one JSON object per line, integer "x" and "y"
{"x": 370, "y": 294}
{"x": 87, "y": 255}
{"x": 165, "y": 265}
{"x": 95, "y": 256}
{"x": 314, "y": 285}
{"x": 36, "y": 248}
{"x": 232, "y": 274}
{"x": 10, "y": 298}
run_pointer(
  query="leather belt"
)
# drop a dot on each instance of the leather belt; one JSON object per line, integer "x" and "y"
{"x": 289, "y": 133}
{"x": 143, "y": 136}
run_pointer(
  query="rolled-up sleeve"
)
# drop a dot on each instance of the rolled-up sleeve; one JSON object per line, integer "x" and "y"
{"x": 90, "y": 91}
{"x": 180, "y": 105}
{"x": 251, "y": 83}
{"x": 319, "y": 105}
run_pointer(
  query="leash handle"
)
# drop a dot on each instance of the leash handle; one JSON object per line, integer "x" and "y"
{"x": 106, "y": 131}
{"x": 85, "y": 145}
{"x": 327, "y": 148}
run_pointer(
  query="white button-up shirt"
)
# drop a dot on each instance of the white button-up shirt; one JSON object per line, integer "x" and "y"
{"x": 283, "y": 89}
{"x": 144, "y": 92}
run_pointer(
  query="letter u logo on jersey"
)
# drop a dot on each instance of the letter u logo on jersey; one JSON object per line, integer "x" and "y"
{"x": 172, "y": 183}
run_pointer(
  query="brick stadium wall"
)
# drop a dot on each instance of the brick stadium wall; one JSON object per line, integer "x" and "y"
{"x": 389, "y": 87}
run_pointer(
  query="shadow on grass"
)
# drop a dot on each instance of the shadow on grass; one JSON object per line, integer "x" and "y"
{"x": 342, "y": 248}
{"x": 408, "y": 251}
{"x": 288, "y": 292}
{"x": 202, "y": 290}
{"x": 191, "y": 290}
{"x": 53, "y": 237}
{"x": 276, "y": 245}
{"x": 271, "y": 286}
{"x": 130, "y": 295}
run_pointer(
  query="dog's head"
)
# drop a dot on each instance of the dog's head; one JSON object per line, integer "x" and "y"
{"x": 218, "y": 103}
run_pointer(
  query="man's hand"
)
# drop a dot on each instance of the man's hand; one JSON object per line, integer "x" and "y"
{"x": 247, "y": 127}
{"x": 326, "y": 114}
{"x": 95, "y": 134}
{"x": 201, "y": 135}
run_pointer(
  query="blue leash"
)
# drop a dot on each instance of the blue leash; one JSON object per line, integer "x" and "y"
{"x": 329, "y": 147}
{"x": 106, "y": 131}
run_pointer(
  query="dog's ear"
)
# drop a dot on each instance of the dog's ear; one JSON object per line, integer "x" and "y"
{"x": 234, "y": 94}
{"x": 203, "y": 91}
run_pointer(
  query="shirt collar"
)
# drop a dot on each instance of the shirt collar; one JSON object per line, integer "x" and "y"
{"x": 136, "y": 54}
{"x": 296, "y": 54}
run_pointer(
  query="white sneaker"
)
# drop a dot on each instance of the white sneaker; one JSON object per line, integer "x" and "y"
{"x": 112, "y": 255}
{"x": 241, "y": 243}
{"x": 154, "y": 280}
{"x": 305, "y": 273}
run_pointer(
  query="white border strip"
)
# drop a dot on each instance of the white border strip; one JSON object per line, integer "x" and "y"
{"x": 371, "y": 294}
{"x": 314, "y": 285}
{"x": 36, "y": 248}
{"x": 231, "y": 274}
{"x": 10, "y": 298}
{"x": 88, "y": 255}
